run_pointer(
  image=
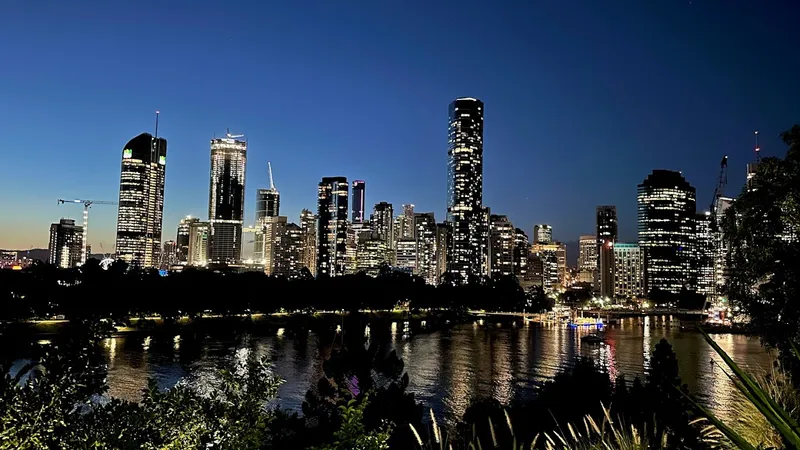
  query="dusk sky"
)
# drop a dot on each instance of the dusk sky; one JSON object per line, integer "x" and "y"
{"x": 582, "y": 100}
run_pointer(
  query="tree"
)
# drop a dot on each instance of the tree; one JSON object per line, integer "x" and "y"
{"x": 761, "y": 230}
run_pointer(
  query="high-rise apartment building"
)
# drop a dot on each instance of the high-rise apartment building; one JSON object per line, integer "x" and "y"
{"x": 551, "y": 265}
{"x": 332, "y": 202}
{"x": 406, "y": 255}
{"x": 398, "y": 228}
{"x": 354, "y": 233}
{"x": 182, "y": 238}
{"x": 666, "y": 215}
{"x": 606, "y": 237}
{"x": 465, "y": 186}
{"x": 199, "y": 237}
{"x": 502, "y": 238}
{"x": 372, "y": 254}
{"x": 141, "y": 200}
{"x": 273, "y": 228}
{"x": 359, "y": 188}
{"x": 268, "y": 204}
{"x": 308, "y": 229}
{"x": 226, "y": 198}
{"x": 443, "y": 237}
{"x": 542, "y": 234}
{"x": 628, "y": 271}
{"x": 425, "y": 238}
{"x": 66, "y": 244}
{"x": 287, "y": 259}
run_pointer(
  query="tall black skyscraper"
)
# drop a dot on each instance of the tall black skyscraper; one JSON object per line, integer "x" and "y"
{"x": 141, "y": 200}
{"x": 667, "y": 208}
{"x": 226, "y": 198}
{"x": 465, "y": 187}
{"x": 606, "y": 238}
{"x": 332, "y": 226}
{"x": 358, "y": 201}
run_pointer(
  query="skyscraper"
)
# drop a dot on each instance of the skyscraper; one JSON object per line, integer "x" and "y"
{"x": 409, "y": 226}
{"x": 425, "y": 237}
{"x": 308, "y": 229}
{"x": 268, "y": 204}
{"x": 587, "y": 259}
{"x": 199, "y": 235}
{"x": 332, "y": 226}
{"x": 704, "y": 257}
{"x": 542, "y": 234}
{"x": 382, "y": 222}
{"x": 628, "y": 271}
{"x": 226, "y": 198}
{"x": 465, "y": 185}
{"x": 359, "y": 188}
{"x": 141, "y": 200}
{"x": 169, "y": 255}
{"x": 666, "y": 214}
{"x": 521, "y": 250}
{"x": 66, "y": 243}
{"x": 606, "y": 237}
{"x": 182, "y": 239}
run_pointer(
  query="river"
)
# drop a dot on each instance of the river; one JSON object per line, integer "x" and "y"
{"x": 447, "y": 369}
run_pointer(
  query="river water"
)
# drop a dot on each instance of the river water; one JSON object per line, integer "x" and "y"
{"x": 448, "y": 369}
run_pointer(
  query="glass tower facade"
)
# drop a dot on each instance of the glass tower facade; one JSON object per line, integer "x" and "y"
{"x": 141, "y": 200}
{"x": 666, "y": 216}
{"x": 226, "y": 199}
{"x": 332, "y": 226}
{"x": 359, "y": 188}
{"x": 465, "y": 186}
{"x": 606, "y": 238}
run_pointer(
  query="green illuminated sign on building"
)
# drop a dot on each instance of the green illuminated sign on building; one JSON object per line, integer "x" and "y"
{"x": 162, "y": 160}
{"x": 127, "y": 153}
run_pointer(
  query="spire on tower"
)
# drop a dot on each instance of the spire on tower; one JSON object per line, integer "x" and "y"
{"x": 271, "y": 182}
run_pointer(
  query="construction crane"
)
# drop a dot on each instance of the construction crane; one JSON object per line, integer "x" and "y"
{"x": 86, "y": 205}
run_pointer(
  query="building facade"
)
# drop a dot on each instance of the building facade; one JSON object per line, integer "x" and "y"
{"x": 169, "y": 254}
{"x": 268, "y": 204}
{"x": 587, "y": 259}
{"x": 308, "y": 228}
{"x": 199, "y": 237}
{"x": 521, "y": 250}
{"x": 66, "y": 244}
{"x": 628, "y": 271}
{"x": 141, "y": 200}
{"x": 406, "y": 255}
{"x": 182, "y": 238}
{"x": 666, "y": 216}
{"x": 382, "y": 221}
{"x": 465, "y": 186}
{"x": 288, "y": 259}
{"x": 332, "y": 202}
{"x": 226, "y": 199}
{"x": 704, "y": 257}
{"x": 542, "y": 234}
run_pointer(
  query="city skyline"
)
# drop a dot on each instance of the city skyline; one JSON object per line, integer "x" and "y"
{"x": 514, "y": 176}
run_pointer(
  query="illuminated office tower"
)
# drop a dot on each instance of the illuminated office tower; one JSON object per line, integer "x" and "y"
{"x": 398, "y": 226}
{"x": 182, "y": 239}
{"x": 272, "y": 230}
{"x": 141, "y": 200}
{"x": 354, "y": 233}
{"x": 308, "y": 228}
{"x": 561, "y": 261}
{"x": 542, "y": 234}
{"x": 66, "y": 244}
{"x": 382, "y": 221}
{"x": 408, "y": 222}
{"x": 332, "y": 226}
{"x": 226, "y": 198}
{"x": 406, "y": 255}
{"x": 547, "y": 269}
{"x": 425, "y": 237}
{"x": 443, "y": 237}
{"x": 721, "y": 272}
{"x": 628, "y": 271}
{"x": 501, "y": 246}
{"x": 704, "y": 257}
{"x": 521, "y": 250}
{"x": 587, "y": 259}
{"x": 606, "y": 237}
{"x": 465, "y": 186}
{"x": 359, "y": 188}
{"x": 199, "y": 236}
{"x": 372, "y": 254}
{"x": 268, "y": 204}
{"x": 288, "y": 260}
{"x": 666, "y": 216}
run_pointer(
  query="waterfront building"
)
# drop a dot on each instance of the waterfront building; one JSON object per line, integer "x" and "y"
{"x": 332, "y": 202}
{"x": 628, "y": 271}
{"x": 226, "y": 198}
{"x": 501, "y": 246}
{"x": 606, "y": 237}
{"x": 425, "y": 238}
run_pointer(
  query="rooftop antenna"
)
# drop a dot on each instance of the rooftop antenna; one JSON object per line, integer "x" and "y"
{"x": 758, "y": 149}
{"x": 157, "y": 113}
{"x": 271, "y": 183}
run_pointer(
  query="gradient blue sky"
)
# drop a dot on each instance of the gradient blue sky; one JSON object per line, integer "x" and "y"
{"x": 583, "y": 100}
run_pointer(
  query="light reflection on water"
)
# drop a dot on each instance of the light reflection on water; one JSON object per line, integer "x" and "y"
{"x": 447, "y": 369}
